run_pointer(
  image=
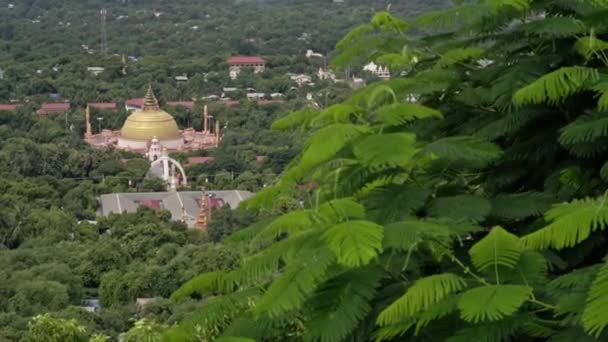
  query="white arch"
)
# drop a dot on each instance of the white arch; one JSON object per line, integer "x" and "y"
{"x": 165, "y": 160}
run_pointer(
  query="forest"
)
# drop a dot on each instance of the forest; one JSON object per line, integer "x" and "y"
{"x": 464, "y": 199}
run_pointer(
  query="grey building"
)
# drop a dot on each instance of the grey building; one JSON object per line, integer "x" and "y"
{"x": 183, "y": 205}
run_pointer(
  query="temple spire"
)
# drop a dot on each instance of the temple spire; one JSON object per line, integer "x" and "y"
{"x": 205, "y": 120}
{"x": 88, "y": 130}
{"x": 150, "y": 101}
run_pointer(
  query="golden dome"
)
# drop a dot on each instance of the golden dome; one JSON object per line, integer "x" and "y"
{"x": 150, "y": 122}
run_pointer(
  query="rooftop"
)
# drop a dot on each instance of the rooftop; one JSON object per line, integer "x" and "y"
{"x": 8, "y": 107}
{"x": 177, "y": 203}
{"x": 48, "y": 108}
{"x": 246, "y": 60}
{"x": 187, "y": 104}
{"x": 103, "y": 105}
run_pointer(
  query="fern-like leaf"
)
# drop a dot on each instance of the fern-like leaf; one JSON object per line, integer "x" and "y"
{"x": 520, "y": 206}
{"x": 292, "y": 222}
{"x": 492, "y": 302}
{"x": 294, "y": 120}
{"x": 556, "y": 86}
{"x": 498, "y": 248}
{"x": 397, "y": 114}
{"x": 468, "y": 207}
{"x": 594, "y": 317}
{"x": 459, "y": 55}
{"x": 571, "y": 223}
{"x": 386, "y": 150}
{"x": 323, "y": 145}
{"x": 555, "y": 27}
{"x": 289, "y": 291}
{"x": 354, "y": 243}
{"x": 338, "y": 113}
{"x": 341, "y": 303}
{"x": 591, "y": 46}
{"x": 472, "y": 151}
{"x": 423, "y": 294}
{"x": 341, "y": 209}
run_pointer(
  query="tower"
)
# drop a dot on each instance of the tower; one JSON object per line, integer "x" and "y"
{"x": 205, "y": 120}
{"x": 88, "y": 131}
{"x": 104, "y": 34}
{"x": 217, "y": 133}
{"x": 203, "y": 218}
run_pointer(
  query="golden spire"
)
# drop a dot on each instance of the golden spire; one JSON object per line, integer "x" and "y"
{"x": 203, "y": 218}
{"x": 150, "y": 101}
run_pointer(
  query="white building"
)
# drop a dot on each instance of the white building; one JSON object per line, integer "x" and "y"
{"x": 381, "y": 72}
{"x": 95, "y": 70}
{"x": 301, "y": 79}
{"x": 255, "y": 96}
{"x": 310, "y": 53}
{"x": 326, "y": 75}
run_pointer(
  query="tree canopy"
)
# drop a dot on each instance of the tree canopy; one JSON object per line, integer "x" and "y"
{"x": 461, "y": 201}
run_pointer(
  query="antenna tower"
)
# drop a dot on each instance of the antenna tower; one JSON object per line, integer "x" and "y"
{"x": 104, "y": 34}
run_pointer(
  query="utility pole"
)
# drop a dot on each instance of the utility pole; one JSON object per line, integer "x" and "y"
{"x": 104, "y": 33}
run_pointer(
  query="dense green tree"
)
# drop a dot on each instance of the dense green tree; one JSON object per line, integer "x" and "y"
{"x": 45, "y": 328}
{"x": 433, "y": 208}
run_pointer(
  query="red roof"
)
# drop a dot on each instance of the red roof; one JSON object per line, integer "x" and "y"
{"x": 103, "y": 105}
{"x": 49, "y": 108}
{"x": 187, "y": 104}
{"x": 138, "y": 102}
{"x": 9, "y": 106}
{"x": 151, "y": 203}
{"x": 269, "y": 102}
{"x": 260, "y": 158}
{"x": 236, "y": 60}
{"x": 199, "y": 160}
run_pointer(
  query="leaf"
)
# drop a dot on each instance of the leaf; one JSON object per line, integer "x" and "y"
{"x": 405, "y": 235}
{"x": 338, "y": 113}
{"x": 458, "y": 55}
{"x": 213, "y": 312}
{"x": 591, "y": 46}
{"x": 292, "y": 222}
{"x": 354, "y": 243}
{"x": 423, "y": 294}
{"x": 340, "y": 304}
{"x": 594, "y": 317}
{"x": 397, "y": 114}
{"x": 586, "y": 128}
{"x": 205, "y": 282}
{"x": 293, "y": 120}
{"x": 468, "y": 207}
{"x": 299, "y": 279}
{"x": 324, "y": 145}
{"x": 520, "y": 206}
{"x": 472, "y": 151}
{"x": 558, "y": 26}
{"x": 498, "y": 248}
{"x": 571, "y": 223}
{"x": 492, "y": 302}
{"x": 341, "y": 209}
{"x": 556, "y": 86}
{"x": 386, "y": 150}
{"x": 385, "y": 20}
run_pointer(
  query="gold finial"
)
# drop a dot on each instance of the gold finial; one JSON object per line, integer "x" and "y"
{"x": 150, "y": 101}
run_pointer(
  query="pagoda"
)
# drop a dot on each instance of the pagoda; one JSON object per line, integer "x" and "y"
{"x": 152, "y": 123}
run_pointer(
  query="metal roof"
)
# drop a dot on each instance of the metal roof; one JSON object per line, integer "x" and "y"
{"x": 172, "y": 201}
